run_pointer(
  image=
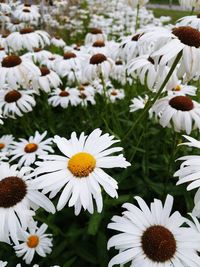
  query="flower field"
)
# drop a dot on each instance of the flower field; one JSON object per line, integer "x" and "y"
{"x": 100, "y": 134}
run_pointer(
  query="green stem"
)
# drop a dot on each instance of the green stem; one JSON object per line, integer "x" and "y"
{"x": 150, "y": 103}
{"x": 192, "y": 11}
{"x": 137, "y": 24}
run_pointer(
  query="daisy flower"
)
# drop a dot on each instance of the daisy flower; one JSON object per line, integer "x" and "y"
{"x": 58, "y": 42}
{"x": 48, "y": 79}
{"x": 192, "y": 21}
{"x": 17, "y": 71}
{"x": 183, "y": 39}
{"x": 98, "y": 65}
{"x": 19, "y": 198}
{"x": 80, "y": 170}
{"x": 153, "y": 237}
{"x": 94, "y": 35}
{"x": 64, "y": 97}
{"x": 138, "y": 103}
{"x": 14, "y": 25}
{"x": 28, "y": 39}
{"x": 182, "y": 89}
{"x": 29, "y": 150}
{"x": 69, "y": 66}
{"x": 118, "y": 72}
{"x": 189, "y": 172}
{"x": 181, "y": 111}
{"x": 16, "y": 102}
{"x": 115, "y": 94}
{"x": 3, "y": 263}
{"x": 50, "y": 61}
{"x": 86, "y": 97}
{"x": 34, "y": 241}
{"x": 5, "y": 143}
{"x": 38, "y": 56}
{"x": 27, "y": 14}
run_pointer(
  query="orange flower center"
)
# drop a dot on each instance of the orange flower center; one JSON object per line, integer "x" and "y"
{"x": 81, "y": 164}
{"x": 33, "y": 241}
{"x": 2, "y": 145}
{"x": 30, "y": 148}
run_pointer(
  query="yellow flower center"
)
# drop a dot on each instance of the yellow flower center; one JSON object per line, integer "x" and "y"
{"x": 31, "y": 147}
{"x": 33, "y": 241}
{"x": 2, "y": 145}
{"x": 81, "y": 164}
{"x": 177, "y": 88}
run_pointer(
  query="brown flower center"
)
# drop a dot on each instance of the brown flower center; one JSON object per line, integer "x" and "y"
{"x": 198, "y": 16}
{"x": 188, "y": 35}
{"x": 26, "y": 10}
{"x": 30, "y": 148}
{"x": 114, "y": 93}
{"x": 95, "y": 31}
{"x": 158, "y": 243}
{"x": 97, "y": 59}
{"x": 12, "y": 96}
{"x": 11, "y": 61}
{"x": 118, "y": 62}
{"x": 64, "y": 94}
{"x": 150, "y": 59}
{"x": 44, "y": 71}
{"x": 98, "y": 43}
{"x": 2, "y": 145}
{"x": 183, "y": 103}
{"x": 69, "y": 55}
{"x": 26, "y": 30}
{"x": 12, "y": 191}
{"x": 37, "y": 49}
{"x": 81, "y": 88}
{"x": 2, "y": 48}
{"x": 82, "y": 96}
{"x": 136, "y": 37}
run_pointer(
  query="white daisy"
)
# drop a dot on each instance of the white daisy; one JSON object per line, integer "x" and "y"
{"x": 115, "y": 94}
{"x": 118, "y": 72}
{"x": 16, "y": 102}
{"x": 38, "y": 56}
{"x": 189, "y": 172}
{"x": 98, "y": 65}
{"x": 183, "y": 39}
{"x": 3, "y": 263}
{"x": 29, "y": 150}
{"x": 181, "y": 111}
{"x": 95, "y": 35}
{"x": 17, "y": 71}
{"x": 152, "y": 237}
{"x": 14, "y": 25}
{"x": 27, "y": 14}
{"x": 28, "y": 39}
{"x": 34, "y": 241}
{"x": 5, "y": 143}
{"x": 48, "y": 79}
{"x": 80, "y": 170}
{"x": 18, "y": 200}
{"x": 138, "y": 103}
{"x": 192, "y": 21}
{"x": 58, "y": 42}
{"x": 64, "y": 97}
{"x": 182, "y": 89}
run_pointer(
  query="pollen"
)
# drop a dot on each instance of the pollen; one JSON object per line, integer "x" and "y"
{"x": 33, "y": 241}
{"x": 30, "y": 148}
{"x": 114, "y": 93}
{"x": 183, "y": 103}
{"x": 82, "y": 164}
{"x": 188, "y": 35}
{"x": 158, "y": 243}
{"x": 177, "y": 88}
{"x": 97, "y": 59}
{"x": 12, "y": 96}
{"x": 11, "y": 61}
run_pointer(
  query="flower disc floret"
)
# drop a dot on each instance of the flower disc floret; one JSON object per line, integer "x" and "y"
{"x": 12, "y": 191}
{"x": 183, "y": 103}
{"x": 188, "y": 35}
{"x": 12, "y": 96}
{"x": 11, "y": 61}
{"x": 33, "y": 241}
{"x": 158, "y": 243}
{"x": 81, "y": 164}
